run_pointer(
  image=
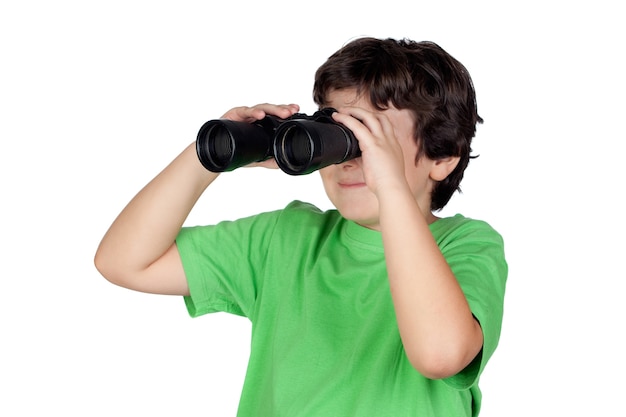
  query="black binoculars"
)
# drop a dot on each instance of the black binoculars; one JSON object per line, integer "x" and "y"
{"x": 300, "y": 144}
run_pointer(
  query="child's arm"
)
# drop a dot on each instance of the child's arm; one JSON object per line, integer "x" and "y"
{"x": 439, "y": 333}
{"x": 139, "y": 250}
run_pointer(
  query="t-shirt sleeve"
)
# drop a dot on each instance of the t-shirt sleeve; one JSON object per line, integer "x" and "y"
{"x": 223, "y": 263}
{"x": 475, "y": 253}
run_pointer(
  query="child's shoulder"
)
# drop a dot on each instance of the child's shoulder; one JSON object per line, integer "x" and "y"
{"x": 302, "y": 206}
{"x": 459, "y": 226}
{"x": 303, "y": 209}
{"x": 299, "y": 213}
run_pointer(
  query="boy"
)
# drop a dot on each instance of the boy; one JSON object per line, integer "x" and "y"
{"x": 377, "y": 308}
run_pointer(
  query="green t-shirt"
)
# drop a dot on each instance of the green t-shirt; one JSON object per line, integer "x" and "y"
{"x": 325, "y": 341}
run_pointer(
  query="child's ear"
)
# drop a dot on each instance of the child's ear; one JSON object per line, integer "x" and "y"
{"x": 441, "y": 168}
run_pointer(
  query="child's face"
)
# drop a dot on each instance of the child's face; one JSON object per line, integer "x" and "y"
{"x": 345, "y": 184}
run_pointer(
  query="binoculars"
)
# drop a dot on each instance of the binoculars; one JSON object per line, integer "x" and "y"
{"x": 300, "y": 144}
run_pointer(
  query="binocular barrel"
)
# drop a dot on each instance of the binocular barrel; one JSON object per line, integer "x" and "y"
{"x": 301, "y": 144}
{"x": 223, "y": 145}
{"x": 304, "y": 146}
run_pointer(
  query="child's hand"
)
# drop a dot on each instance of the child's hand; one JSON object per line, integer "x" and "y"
{"x": 382, "y": 155}
{"x": 254, "y": 113}
{"x": 258, "y": 112}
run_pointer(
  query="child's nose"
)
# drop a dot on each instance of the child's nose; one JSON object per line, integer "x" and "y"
{"x": 351, "y": 164}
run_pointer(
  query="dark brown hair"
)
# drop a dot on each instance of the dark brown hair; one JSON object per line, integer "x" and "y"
{"x": 417, "y": 76}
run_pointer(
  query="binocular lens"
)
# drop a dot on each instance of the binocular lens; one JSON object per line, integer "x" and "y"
{"x": 221, "y": 145}
{"x": 296, "y": 148}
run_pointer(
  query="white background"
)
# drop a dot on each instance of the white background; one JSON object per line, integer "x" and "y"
{"x": 97, "y": 97}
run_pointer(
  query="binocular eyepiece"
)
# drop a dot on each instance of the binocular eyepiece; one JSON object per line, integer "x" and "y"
{"x": 300, "y": 144}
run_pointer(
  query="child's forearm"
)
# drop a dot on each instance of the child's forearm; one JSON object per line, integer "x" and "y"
{"x": 438, "y": 330}
{"x": 147, "y": 227}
